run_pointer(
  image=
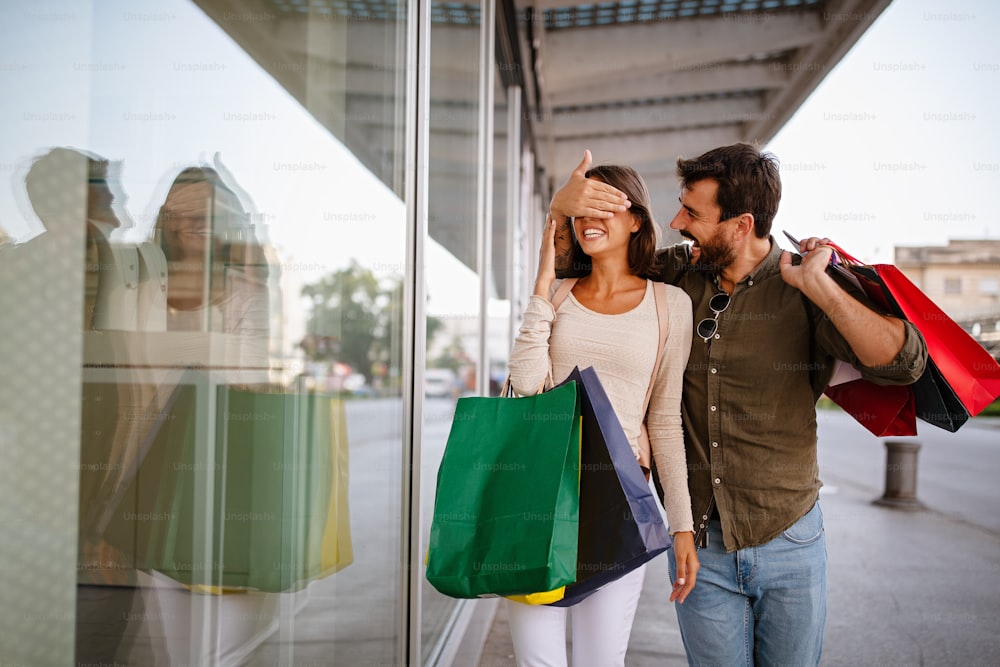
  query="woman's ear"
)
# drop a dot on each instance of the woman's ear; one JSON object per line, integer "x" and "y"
{"x": 636, "y": 224}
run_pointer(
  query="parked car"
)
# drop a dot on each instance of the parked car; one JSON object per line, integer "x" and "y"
{"x": 440, "y": 382}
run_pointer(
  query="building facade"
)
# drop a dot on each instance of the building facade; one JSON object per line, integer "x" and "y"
{"x": 963, "y": 278}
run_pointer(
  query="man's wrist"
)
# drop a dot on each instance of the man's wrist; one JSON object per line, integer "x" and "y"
{"x": 822, "y": 289}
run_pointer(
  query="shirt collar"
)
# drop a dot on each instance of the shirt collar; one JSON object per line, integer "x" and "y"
{"x": 767, "y": 266}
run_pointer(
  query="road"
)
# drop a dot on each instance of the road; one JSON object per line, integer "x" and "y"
{"x": 957, "y": 473}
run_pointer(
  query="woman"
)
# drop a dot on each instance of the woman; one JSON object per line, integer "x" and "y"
{"x": 609, "y": 321}
{"x": 217, "y": 270}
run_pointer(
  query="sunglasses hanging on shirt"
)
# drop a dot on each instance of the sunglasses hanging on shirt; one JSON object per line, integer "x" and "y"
{"x": 707, "y": 327}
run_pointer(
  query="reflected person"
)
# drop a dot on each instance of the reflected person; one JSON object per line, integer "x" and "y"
{"x": 218, "y": 271}
{"x": 123, "y": 290}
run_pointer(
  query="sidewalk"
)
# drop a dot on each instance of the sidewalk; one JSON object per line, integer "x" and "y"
{"x": 905, "y": 587}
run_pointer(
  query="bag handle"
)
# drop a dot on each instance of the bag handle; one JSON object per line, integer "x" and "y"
{"x": 507, "y": 391}
{"x": 850, "y": 259}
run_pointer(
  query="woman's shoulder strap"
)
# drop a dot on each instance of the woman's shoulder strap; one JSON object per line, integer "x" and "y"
{"x": 662, "y": 316}
{"x": 562, "y": 291}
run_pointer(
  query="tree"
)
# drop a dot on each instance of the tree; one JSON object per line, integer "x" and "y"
{"x": 453, "y": 356}
{"x": 347, "y": 307}
{"x": 357, "y": 320}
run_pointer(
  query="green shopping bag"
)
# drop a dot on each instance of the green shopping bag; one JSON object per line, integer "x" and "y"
{"x": 506, "y": 511}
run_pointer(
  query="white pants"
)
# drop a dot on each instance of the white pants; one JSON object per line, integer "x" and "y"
{"x": 601, "y": 626}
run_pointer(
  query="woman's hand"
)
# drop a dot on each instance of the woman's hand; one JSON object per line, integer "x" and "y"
{"x": 686, "y": 556}
{"x": 546, "y": 259}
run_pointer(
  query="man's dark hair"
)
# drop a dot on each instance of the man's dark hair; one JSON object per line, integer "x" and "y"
{"x": 748, "y": 180}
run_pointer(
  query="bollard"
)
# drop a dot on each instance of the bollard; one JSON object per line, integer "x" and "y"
{"x": 900, "y": 476}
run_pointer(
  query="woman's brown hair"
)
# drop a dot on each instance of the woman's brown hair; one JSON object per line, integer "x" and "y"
{"x": 642, "y": 259}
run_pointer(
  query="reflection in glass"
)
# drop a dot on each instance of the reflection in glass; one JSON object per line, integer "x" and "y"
{"x": 239, "y": 491}
{"x": 217, "y": 269}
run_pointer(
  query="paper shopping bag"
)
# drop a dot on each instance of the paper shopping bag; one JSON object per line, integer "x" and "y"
{"x": 621, "y": 526}
{"x": 278, "y": 517}
{"x": 962, "y": 377}
{"x": 885, "y": 410}
{"x": 506, "y": 508}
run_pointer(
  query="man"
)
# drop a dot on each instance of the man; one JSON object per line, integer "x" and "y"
{"x": 768, "y": 329}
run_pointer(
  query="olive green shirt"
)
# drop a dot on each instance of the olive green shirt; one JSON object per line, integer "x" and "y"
{"x": 749, "y": 398}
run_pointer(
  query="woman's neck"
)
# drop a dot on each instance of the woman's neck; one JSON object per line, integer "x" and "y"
{"x": 609, "y": 277}
{"x": 610, "y": 288}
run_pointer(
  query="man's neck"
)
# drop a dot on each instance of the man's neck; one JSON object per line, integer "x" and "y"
{"x": 748, "y": 257}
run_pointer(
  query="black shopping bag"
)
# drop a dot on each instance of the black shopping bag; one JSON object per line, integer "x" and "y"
{"x": 621, "y": 526}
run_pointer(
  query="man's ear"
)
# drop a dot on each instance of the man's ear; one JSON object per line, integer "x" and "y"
{"x": 744, "y": 225}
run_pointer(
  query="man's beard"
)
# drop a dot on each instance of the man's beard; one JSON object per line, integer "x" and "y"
{"x": 716, "y": 255}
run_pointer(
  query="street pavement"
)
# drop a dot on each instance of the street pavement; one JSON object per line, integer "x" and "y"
{"x": 906, "y": 587}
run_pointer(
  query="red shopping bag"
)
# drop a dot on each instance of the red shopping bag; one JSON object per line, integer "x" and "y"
{"x": 961, "y": 378}
{"x": 884, "y": 410}
{"x": 968, "y": 368}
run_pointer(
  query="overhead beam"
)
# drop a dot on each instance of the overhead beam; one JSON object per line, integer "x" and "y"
{"x": 645, "y": 147}
{"x": 672, "y": 83}
{"x": 650, "y": 117}
{"x": 585, "y": 56}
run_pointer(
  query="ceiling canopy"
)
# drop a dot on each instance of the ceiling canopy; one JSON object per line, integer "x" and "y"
{"x": 639, "y": 82}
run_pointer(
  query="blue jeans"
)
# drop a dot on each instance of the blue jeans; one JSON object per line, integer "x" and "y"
{"x": 763, "y": 605}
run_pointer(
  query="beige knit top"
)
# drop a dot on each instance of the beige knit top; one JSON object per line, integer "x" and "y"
{"x": 622, "y": 350}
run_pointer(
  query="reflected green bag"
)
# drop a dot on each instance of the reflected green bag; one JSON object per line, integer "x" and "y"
{"x": 507, "y": 506}
{"x": 279, "y": 517}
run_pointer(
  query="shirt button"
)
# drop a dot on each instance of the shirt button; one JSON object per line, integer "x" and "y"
{"x": 718, "y": 481}
{"x": 749, "y": 282}
{"x": 717, "y": 336}
{"x": 715, "y": 444}
{"x": 704, "y": 517}
{"x": 712, "y": 408}
{"x": 714, "y": 371}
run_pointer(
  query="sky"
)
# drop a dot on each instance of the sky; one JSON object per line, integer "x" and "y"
{"x": 899, "y": 145}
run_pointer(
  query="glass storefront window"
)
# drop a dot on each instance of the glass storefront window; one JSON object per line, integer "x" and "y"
{"x": 207, "y": 271}
{"x": 502, "y": 268}
{"x": 203, "y": 252}
{"x": 452, "y": 283}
